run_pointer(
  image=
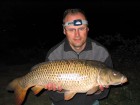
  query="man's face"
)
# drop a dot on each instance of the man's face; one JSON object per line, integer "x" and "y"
{"x": 76, "y": 35}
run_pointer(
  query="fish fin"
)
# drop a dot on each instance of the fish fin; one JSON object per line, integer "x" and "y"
{"x": 12, "y": 85}
{"x": 98, "y": 92}
{"x": 19, "y": 92}
{"x": 37, "y": 89}
{"x": 20, "y": 95}
{"x": 69, "y": 95}
{"x": 93, "y": 90}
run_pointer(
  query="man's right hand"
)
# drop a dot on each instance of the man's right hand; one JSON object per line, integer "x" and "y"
{"x": 52, "y": 86}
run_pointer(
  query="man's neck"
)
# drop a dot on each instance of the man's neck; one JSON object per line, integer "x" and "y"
{"x": 78, "y": 49}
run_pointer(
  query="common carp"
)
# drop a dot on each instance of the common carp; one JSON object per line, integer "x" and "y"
{"x": 75, "y": 76}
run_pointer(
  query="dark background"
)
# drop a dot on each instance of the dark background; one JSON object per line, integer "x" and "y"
{"x": 28, "y": 29}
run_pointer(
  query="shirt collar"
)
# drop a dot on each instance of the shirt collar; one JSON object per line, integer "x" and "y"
{"x": 67, "y": 46}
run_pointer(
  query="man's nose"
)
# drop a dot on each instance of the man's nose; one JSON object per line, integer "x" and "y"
{"x": 77, "y": 32}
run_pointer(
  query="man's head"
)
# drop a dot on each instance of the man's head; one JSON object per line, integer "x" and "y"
{"x": 75, "y": 28}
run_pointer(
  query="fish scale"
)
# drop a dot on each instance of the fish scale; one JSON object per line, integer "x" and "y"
{"x": 74, "y": 76}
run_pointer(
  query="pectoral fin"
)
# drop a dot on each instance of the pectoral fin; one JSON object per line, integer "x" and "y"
{"x": 69, "y": 95}
{"x": 93, "y": 90}
{"x": 36, "y": 89}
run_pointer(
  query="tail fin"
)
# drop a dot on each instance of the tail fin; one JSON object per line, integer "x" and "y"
{"x": 12, "y": 85}
{"x": 19, "y": 92}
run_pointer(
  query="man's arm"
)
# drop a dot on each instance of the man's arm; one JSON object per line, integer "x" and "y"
{"x": 108, "y": 62}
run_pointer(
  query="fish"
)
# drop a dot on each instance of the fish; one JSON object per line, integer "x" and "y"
{"x": 74, "y": 75}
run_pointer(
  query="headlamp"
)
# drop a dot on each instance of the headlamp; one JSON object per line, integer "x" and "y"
{"x": 77, "y": 22}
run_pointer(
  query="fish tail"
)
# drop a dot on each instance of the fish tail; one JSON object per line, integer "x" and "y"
{"x": 19, "y": 92}
{"x": 12, "y": 85}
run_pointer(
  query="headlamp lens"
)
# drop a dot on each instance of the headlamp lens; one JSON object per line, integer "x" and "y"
{"x": 76, "y": 22}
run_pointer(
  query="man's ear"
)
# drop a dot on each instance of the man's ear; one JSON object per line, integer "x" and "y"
{"x": 87, "y": 29}
{"x": 64, "y": 31}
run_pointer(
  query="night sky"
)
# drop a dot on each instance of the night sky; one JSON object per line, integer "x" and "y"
{"x": 38, "y": 23}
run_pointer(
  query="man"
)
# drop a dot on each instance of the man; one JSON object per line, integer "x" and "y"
{"x": 77, "y": 45}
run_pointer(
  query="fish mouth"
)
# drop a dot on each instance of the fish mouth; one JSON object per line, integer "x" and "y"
{"x": 123, "y": 80}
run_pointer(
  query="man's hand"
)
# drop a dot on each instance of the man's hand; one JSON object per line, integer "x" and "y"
{"x": 102, "y": 87}
{"x": 52, "y": 86}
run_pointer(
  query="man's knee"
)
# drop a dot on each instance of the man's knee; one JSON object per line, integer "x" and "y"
{"x": 96, "y": 102}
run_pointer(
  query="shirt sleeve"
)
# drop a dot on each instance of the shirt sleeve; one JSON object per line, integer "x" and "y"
{"x": 108, "y": 62}
{"x": 102, "y": 95}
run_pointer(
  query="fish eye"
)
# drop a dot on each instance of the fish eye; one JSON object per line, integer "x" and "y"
{"x": 114, "y": 74}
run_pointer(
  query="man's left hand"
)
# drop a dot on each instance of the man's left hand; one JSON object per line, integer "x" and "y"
{"x": 102, "y": 87}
